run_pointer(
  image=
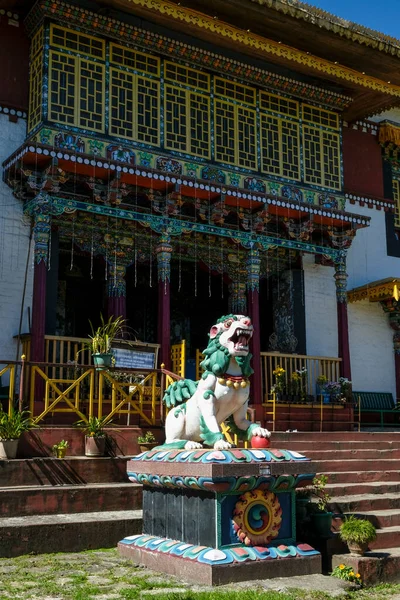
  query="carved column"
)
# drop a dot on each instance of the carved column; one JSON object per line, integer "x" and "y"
{"x": 391, "y": 307}
{"x": 237, "y": 298}
{"x": 41, "y": 232}
{"x": 116, "y": 306}
{"x": 253, "y": 281}
{"x": 343, "y": 327}
{"x": 164, "y": 252}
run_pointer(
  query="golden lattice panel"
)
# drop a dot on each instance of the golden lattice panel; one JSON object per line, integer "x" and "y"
{"x": 186, "y": 76}
{"x": 91, "y": 95}
{"x": 187, "y": 121}
{"x": 132, "y": 59}
{"x": 62, "y": 88}
{"x": 77, "y": 42}
{"x": 280, "y": 105}
{"x": 246, "y": 155}
{"x": 331, "y": 159}
{"x": 35, "y": 89}
{"x": 319, "y": 116}
{"x": 396, "y": 198}
{"x": 121, "y": 103}
{"x": 235, "y": 91}
{"x": 224, "y": 117}
{"x": 280, "y": 146}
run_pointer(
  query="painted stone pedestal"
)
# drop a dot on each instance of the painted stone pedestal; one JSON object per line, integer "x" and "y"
{"x": 214, "y": 517}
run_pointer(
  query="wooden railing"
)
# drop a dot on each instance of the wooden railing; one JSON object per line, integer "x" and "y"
{"x": 315, "y": 365}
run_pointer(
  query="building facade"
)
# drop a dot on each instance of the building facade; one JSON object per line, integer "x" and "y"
{"x": 172, "y": 164}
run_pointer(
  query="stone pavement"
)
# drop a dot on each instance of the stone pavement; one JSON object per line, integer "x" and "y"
{"x": 103, "y": 575}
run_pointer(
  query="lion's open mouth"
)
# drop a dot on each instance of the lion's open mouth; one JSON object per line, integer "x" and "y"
{"x": 240, "y": 339}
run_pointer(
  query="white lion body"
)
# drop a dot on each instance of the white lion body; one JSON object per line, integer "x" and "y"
{"x": 214, "y": 401}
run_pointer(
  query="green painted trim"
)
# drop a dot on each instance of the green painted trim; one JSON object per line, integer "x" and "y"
{"x": 208, "y": 436}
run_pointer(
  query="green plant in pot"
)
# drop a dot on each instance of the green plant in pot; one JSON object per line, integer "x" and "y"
{"x": 60, "y": 449}
{"x": 147, "y": 441}
{"x": 320, "y": 516}
{"x": 102, "y": 339}
{"x": 357, "y": 533}
{"x": 12, "y": 426}
{"x": 95, "y": 435}
{"x": 303, "y": 499}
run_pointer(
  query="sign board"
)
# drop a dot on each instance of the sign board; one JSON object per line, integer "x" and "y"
{"x": 127, "y": 358}
{"x": 135, "y": 355}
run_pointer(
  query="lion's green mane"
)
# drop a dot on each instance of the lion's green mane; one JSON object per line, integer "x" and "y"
{"x": 217, "y": 357}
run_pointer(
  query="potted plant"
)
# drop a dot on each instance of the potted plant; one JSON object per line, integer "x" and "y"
{"x": 357, "y": 533}
{"x": 303, "y": 499}
{"x": 12, "y": 426}
{"x": 279, "y": 386}
{"x": 321, "y": 517}
{"x": 60, "y": 449}
{"x": 95, "y": 436}
{"x": 101, "y": 340}
{"x": 147, "y": 441}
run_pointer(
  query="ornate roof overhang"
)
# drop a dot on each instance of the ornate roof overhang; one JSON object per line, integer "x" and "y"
{"x": 377, "y": 291}
{"x": 246, "y": 27}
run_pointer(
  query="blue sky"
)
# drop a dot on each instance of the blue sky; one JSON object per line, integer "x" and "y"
{"x": 383, "y": 16}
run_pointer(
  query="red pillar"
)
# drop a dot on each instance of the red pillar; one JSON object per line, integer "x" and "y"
{"x": 253, "y": 304}
{"x": 164, "y": 251}
{"x": 343, "y": 340}
{"x": 41, "y": 232}
{"x": 38, "y": 312}
{"x": 116, "y": 305}
{"x": 343, "y": 326}
{"x": 397, "y": 367}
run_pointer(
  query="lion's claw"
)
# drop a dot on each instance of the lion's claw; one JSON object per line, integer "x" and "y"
{"x": 193, "y": 445}
{"x": 261, "y": 432}
{"x": 222, "y": 445}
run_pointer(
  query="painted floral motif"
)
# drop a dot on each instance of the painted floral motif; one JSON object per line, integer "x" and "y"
{"x": 69, "y": 142}
{"x": 96, "y": 147}
{"x": 292, "y": 193}
{"x": 191, "y": 169}
{"x": 168, "y": 165}
{"x": 254, "y": 184}
{"x": 213, "y": 174}
{"x": 121, "y": 154}
{"x": 45, "y": 136}
{"x": 327, "y": 200}
{"x": 257, "y": 518}
{"x": 234, "y": 179}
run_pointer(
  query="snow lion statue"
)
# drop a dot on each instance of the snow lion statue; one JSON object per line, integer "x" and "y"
{"x": 222, "y": 394}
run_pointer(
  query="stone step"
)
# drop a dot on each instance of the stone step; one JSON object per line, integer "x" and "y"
{"x": 380, "y": 518}
{"x": 41, "y": 534}
{"x": 370, "y": 487}
{"x": 388, "y": 537}
{"x": 73, "y": 470}
{"x": 365, "y": 502}
{"x": 305, "y": 447}
{"x": 355, "y": 464}
{"x": 283, "y": 439}
{"x": 361, "y": 476}
{"x": 37, "y": 500}
{"x": 353, "y": 453}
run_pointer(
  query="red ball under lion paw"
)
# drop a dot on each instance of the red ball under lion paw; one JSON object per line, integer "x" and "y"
{"x": 259, "y": 442}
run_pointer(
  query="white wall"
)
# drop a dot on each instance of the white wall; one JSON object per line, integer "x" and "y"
{"x": 367, "y": 259}
{"x": 371, "y": 348}
{"x": 14, "y": 238}
{"x": 320, "y": 307}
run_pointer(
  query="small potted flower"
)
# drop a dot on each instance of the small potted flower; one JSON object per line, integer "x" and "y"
{"x": 333, "y": 389}
{"x": 60, "y": 449}
{"x": 95, "y": 435}
{"x": 280, "y": 382}
{"x": 357, "y": 533}
{"x": 321, "y": 517}
{"x": 12, "y": 426}
{"x": 147, "y": 441}
{"x": 102, "y": 339}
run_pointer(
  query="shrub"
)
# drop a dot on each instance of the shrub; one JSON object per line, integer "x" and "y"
{"x": 356, "y": 530}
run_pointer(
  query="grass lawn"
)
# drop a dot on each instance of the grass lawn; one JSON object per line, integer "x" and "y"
{"x": 103, "y": 575}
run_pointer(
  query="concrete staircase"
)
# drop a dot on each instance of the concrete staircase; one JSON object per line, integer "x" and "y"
{"x": 363, "y": 476}
{"x": 66, "y": 505}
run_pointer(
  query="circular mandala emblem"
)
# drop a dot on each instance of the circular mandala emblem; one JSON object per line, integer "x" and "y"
{"x": 257, "y": 517}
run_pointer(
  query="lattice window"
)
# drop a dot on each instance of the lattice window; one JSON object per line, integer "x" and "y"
{"x": 132, "y": 59}
{"x": 246, "y": 138}
{"x": 187, "y": 121}
{"x": 121, "y": 103}
{"x": 321, "y": 157}
{"x": 319, "y": 116}
{"x": 277, "y": 104}
{"x": 148, "y": 110}
{"x": 396, "y": 198}
{"x": 235, "y": 91}
{"x": 77, "y": 42}
{"x": 36, "y": 80}
{"x": 185, "y": 76}
{"x": 280, "y": 146}
{"x": 76, "y": 91}
{"x": 225, "y": 132}
{"x": 62, "y": 88}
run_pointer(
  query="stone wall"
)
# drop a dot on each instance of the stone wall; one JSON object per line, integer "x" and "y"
{"x": 14, "y": 240}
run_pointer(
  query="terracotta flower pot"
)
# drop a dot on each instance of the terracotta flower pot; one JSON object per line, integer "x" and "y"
{"x": 8, "y": 448}
{"x": 145, "y": 447}
{"x": 357, "y": 549}
{"x": 95, "y": 446}
{"x": 61, "y": 452}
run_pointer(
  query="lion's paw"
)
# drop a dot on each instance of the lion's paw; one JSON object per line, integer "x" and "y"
{"x": 222, "y": 445}
{"x": 193, "y": 445}
{"x": 261, "y": 432}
